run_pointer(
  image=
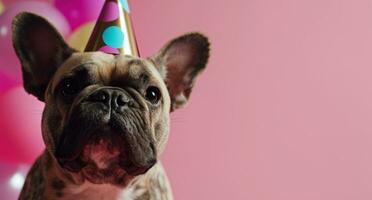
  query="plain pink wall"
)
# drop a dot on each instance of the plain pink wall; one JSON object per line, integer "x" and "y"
{"x": 284, "y": 110}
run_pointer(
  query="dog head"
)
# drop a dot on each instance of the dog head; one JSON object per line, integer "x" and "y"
{"x": 106, "y": 117}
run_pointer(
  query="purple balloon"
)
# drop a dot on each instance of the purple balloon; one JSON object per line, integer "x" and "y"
{"x": 9, "y": 63}
{"x": 12, "y": 177}
{"x": 79, "y": 12}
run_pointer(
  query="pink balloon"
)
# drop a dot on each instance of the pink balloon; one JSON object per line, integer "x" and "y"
{"x": 9, "y": 63}
{"x": 12, "y": 177}
{"x": 79, "y": 12}
{"x": 20, "y": 126}
{"x": 9, "y": 2}
{"x": 6, "y": 82}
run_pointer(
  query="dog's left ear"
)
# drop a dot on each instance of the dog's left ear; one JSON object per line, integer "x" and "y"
{"x": 41, "y": 50}
{"x": 180, "y": 62}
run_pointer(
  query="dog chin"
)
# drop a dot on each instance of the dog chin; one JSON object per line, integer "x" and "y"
{"x": 102, "y": 159}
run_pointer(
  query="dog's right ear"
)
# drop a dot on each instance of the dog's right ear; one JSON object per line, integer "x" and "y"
{"x": 41, "y": 50}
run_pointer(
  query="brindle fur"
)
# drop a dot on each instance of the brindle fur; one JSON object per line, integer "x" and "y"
{"x": 44, "y": 183}
{"x": 46, "y": 61}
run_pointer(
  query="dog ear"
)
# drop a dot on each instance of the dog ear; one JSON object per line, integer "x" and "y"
{"x": 41, "y": 50}
{"x": 179, "y": 62}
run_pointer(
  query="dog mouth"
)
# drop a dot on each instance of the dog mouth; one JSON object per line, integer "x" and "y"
{"x": 104, "y": 156}
{"x": 102, "y": 152}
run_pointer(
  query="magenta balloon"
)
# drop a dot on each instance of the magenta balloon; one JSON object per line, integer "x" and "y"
{"x": 20, "y": 129}
{"x": 79, "y": 12}
{"x": 12, "y": 176}
{"x": 8, "y": 61}
{"x": 9, "y": 2}
{"x": 6, "y": 82}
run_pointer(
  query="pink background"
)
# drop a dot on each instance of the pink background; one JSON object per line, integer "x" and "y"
{"x": 284, "y": 110}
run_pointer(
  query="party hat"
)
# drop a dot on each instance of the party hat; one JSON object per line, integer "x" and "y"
{"x": 113, "y": 32}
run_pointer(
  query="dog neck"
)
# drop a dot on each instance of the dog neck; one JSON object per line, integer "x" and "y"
{"x": 89, "y": 190}
{"x": 63, "y": 186}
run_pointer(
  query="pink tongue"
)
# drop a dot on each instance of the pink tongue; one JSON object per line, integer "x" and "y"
{"x": 100, "y": 153}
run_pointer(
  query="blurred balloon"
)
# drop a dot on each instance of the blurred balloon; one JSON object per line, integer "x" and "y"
{"x": 79, "y": 12}
{"x": 20, "y": 126}
{"x": 79, "y": 38}
{"x": 9, "y": 2}
{"x": 1, "y": 7}
{"x": 6, "y": 82}
{"x": 8, "y": 61}
{"x": 12, "y": 177}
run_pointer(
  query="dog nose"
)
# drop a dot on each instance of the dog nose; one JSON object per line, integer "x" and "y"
{"x": 111, "y": 97}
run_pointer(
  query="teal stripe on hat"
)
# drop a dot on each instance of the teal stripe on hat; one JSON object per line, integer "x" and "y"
{"x": 125, "y": 5}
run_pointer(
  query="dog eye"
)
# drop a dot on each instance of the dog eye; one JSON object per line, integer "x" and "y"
{"x": 69, "y": 87}
{"x": 153, "y": 94}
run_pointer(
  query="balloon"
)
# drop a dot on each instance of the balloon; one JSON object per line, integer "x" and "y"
{"x": 9, "y": 2}
{"x": 79, "y": 12}
{"x": 8, "y": 61}
{"x": 20, "y": 126}
{"x": 1, "y": 7}
{"x": 6, "y": 82}
{"x": 12, "y": 177}
{"x": 79, "y": 38}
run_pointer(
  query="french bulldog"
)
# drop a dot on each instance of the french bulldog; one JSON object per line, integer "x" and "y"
{"x": 106, "y": 117}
